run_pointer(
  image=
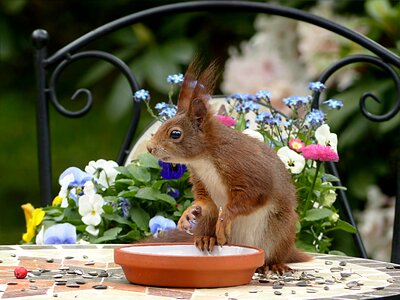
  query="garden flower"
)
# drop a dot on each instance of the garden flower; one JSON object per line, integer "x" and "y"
{"x": 325, "y": 137}
{"x": 316, "y": 86}
{"x": 173, "y": 192}
{"x": 171, "y": 170}
{"x": 142, "y": 95}
{"x": 90, "y": 205}
{"x": 60, "y": 234}
{"x": 334, "y": 104}
{"x": 315, "y": 118}
{"x": 296, "y": 101}
{"x": 103, "y": 170}
{"x": 292, "y": 160}
{"x": 254, "y": 134}
{"x": 296, "y": 145}
{"x": 125, "y": 205}
{"x": 33, "y": 217}
{"x": 165, "y": 110}
{"x": 175, "y": 79}
{"x": 320, "y": 153}
{"x": 92, "y": 230}
{"x": 72, "y": 181}
{"x": 158, "y": 224}
{"x": 226, "y": 120}
{"x": 264, "y": 95}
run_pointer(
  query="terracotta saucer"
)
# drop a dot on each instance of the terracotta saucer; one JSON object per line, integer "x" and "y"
{"x": 183, "y": 265}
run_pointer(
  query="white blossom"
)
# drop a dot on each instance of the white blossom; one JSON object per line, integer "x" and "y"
{"x": 103, "y": 170}
{"x": 292, "y": 160}
{"x": 90, "y": 205}
{"x": 325, "y": 137}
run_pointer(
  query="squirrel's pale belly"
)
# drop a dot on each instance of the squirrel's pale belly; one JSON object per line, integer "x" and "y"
{"x": 205, "y": 170}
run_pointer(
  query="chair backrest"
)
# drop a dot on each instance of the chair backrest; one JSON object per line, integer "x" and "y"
{"x": 50, "y": 67}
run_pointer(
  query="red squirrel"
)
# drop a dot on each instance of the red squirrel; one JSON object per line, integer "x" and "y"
{"x": 243, "y": 193}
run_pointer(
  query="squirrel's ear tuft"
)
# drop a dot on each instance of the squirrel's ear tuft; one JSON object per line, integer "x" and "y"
{"x": 196, "y": 84}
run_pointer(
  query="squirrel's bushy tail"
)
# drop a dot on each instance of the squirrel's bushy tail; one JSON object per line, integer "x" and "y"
{"x": 170, "y": 236}
{"x": 297, "y": 256}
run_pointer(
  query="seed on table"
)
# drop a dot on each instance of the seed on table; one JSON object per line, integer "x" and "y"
{"x": 103, "y": 274}
{"x": 1, "y": 261}
{"x": 85, "y": 257}
{"x": 55, "y": 295}
{"x": 68, "y": 257}
{"x": 293, "y": 292}
{"x": 380, "y": 288}
{"x": 326, "y": 288}
{"x": 80, "y": 281}
{"x": 99, "y": 287}
{"x": 327, "y": 262}
{"x": 12, "y": 283}
{"x": 61, "y": 280}
{"x": 50, "y": 260}
{"x": 61, "y": 283}
{"x": 342, "y": 263}
{"x": 63, "y": 268}
{"x": 278, "y": 293}
{"x": 32, "y": 280}
{"x": 253, "y": 291}
{"x": 36, "y": 273}
{"x": 78, "y": 272}
{"x": 277, "y": 287}
{"x": 44, "y": 270}
{"x": 263, "y": 280}
{"x": 13, "y": 255}
{"x": 302, "y": 283}
{"x": 93, "y": 273}
{"x": 389, "y": 266}
{"x": 89, "y": 263}
{"x": 58, "y": 275}
{"x": 311, "y": 291}
{"x": 336, "y": 269}
{"x": 391, "y": 280}
{"x": 73, "y": 285}
{"x": 87, "y": 276}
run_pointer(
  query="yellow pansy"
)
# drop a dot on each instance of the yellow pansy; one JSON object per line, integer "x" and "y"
{"x": 33, "y": 217}
{"x": 57, "y": 200}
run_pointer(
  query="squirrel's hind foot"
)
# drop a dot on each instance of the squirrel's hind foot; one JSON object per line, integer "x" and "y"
{"x": 278, "y": 268}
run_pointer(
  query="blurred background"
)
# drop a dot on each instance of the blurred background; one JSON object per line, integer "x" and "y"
{"x": 258, "y": 51}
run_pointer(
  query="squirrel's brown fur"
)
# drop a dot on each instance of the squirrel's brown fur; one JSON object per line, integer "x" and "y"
{"x": 243, "y": 192}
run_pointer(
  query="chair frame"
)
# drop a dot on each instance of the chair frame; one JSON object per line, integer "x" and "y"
{"x": 49, "y": 68}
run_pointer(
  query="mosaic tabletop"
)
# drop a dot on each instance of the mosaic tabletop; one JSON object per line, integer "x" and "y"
{"x": 83, "y": 271}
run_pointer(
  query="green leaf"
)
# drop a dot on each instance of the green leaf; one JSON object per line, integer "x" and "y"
{"x": 131, "y": 236}
{"x": 158, "y": 184}
{"x": 139, "y": 173}
{"x": 166, "y": 198}
{"x": 343, "y": 225}
{"x": 140, "y": 217}
{"x": 130, "y": 193}
{"x": 108, "y": 209}
{"x": 124, "y": 171}
{"x": 337, "y": 252}
{"x": 147, "y": 160}
{"x": 109, "y": 235}
{"x": 316, "y": 214}
{"x": 147, "y": 193}
{"x": 117, "y": 218}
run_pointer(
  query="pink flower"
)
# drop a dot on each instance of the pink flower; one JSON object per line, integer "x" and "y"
{"x": 296, "y": 145}
{"x": 320, "y": 152}
{"x": 226, "y": 120}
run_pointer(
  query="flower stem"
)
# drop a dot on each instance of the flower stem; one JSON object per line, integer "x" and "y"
{"x": 312, "y": 187}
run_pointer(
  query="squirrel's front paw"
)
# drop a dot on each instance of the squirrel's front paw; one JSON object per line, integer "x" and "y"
{"x": 189, "y": 217}
{"x": 205, "y": 243}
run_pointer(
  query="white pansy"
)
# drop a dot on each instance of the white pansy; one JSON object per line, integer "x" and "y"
{"x": 325, "y": 137}
{"x": 292, "y": 160}
{"x": 92, "y": 230}
{"x": 90, "y": 205}
{"x": 103, "y": 170}
{"x": 254, "y": 134}
{"x": 64, "y": 182}
{"x": 40, "y": 237}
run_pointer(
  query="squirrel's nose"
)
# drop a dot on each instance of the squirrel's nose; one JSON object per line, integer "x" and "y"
{"x": 150, "y": 147}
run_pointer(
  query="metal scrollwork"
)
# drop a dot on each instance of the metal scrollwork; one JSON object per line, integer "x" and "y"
{"x": 89, "y": 99}
{"x": 364, "y": 98}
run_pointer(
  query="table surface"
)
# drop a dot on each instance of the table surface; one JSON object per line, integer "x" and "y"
{"x": 83, "y": 271}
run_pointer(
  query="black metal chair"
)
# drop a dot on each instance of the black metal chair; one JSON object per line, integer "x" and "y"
{"x": 49, "y": 68}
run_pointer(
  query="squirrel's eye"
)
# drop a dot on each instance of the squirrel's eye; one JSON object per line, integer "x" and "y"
{"x": 175, "y": 134}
